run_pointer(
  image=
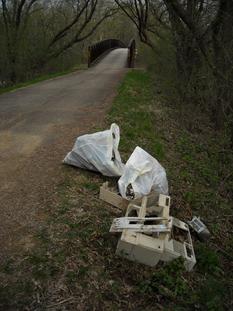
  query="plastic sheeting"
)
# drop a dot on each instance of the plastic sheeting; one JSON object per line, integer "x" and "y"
{"x": 98, "y": 152}
{"x": 142, "y": 174}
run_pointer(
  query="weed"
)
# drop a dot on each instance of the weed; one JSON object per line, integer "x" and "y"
{"x": 8, "y": 267}
{"x": 72, "y": 277}
{"x": 43, "y": 236}
{"x": 207, "y": 260}
{"x": 167, "y": 281}
{"x": 92, "y": 186}
{"x": 20, "y": 291}
{"x": 211, "y": 295}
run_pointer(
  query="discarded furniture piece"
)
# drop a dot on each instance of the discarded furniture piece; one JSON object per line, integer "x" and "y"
{"x": 171, "y": 240}
{"x": 200, "y": 228}
{"x": 137, "y": 224}
{"x": 140, "y": 247}
{"x": 138, "y": 220}
{"x": 112, "y": 196}
{"x": 179, "y": 243}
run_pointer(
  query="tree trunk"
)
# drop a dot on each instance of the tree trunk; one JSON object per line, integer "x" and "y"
{"x": 222, "y": 48}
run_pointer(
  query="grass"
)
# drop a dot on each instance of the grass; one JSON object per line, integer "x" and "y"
{"x": 136, "y": 122}
{"x": 198, "y": 164}
{"x": 39, "y": 79}
{"x": 73, "y": 265}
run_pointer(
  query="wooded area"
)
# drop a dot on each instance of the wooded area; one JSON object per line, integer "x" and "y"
{"x": 200, "y": 36}
{"x": 194, "y": 37}
{"x": 34, "y": 32}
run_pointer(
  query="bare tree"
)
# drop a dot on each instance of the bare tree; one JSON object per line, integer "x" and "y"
{"x": 139, "y": 12}
{"x": 82, "y": 19}
{"x": 15, "y": 14}
{"x": 79, "y": 28}
{"x": 210, "y": 25}
{"x": 202, "y": 32}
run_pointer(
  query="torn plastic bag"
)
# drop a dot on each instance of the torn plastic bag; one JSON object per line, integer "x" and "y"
{"x": 98, "y": 152}
{"x": 142, "y": 174}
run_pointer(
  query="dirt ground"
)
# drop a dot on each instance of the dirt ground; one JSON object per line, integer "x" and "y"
{"x": 31, "y": 182}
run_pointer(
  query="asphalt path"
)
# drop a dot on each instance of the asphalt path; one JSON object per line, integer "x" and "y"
{"x": 28, "y": 114}
{"x": 30, "y": 117}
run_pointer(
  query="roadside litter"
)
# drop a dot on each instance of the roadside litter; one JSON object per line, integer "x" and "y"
{"x": 148, "y": 233}
{"x": 98, "y": 152}
{"x": 200, "y": 228}
{"x": 142, "y": 174}
{"x": 112, "y": 196}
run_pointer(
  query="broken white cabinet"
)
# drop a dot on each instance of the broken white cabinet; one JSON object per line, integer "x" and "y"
{"x": 179, "y": 243}
{"x": 143, "y": 247}
{"x": 150, "y": 247}
{"x": 140, "y": 247}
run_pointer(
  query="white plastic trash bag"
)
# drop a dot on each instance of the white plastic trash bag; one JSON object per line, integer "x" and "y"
{"x": 142, "y": 174}
{"x": 98, "y": 152}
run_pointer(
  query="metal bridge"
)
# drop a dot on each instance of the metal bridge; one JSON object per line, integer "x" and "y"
{"x": 97, "y": 51}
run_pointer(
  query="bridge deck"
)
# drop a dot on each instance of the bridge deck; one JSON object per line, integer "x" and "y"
{"x": 116, "y": 59}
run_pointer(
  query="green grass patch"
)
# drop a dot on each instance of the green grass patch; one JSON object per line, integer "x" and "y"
{"x": 167, "y": 281}
{"x": 196, "y": 167}
{"x": 208, "y": 260}
{"x": 133, "y": 112}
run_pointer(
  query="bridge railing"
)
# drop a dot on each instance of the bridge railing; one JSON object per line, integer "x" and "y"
{"x": 98, "y": 49}
{"x": 132, "y": 53}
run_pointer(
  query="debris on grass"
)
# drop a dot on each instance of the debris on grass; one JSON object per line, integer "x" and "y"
{"x": 142, "y": 174}
{"x": 200, "y": 228}
{"x": 112, "y": 196}
{"x": 98, "y": 152}
{"x": 145, "y": 238}
{"x": 149, "y": 234}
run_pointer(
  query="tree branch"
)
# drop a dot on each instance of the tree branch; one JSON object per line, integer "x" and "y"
{"x": 77, "y": 37}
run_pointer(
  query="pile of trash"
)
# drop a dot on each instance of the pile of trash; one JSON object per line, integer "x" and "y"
{"x": 148, "y": 232}
{"x": 99, "y": 152}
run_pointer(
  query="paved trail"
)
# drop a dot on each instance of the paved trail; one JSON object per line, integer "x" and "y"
{"x": 37, "y": 126}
